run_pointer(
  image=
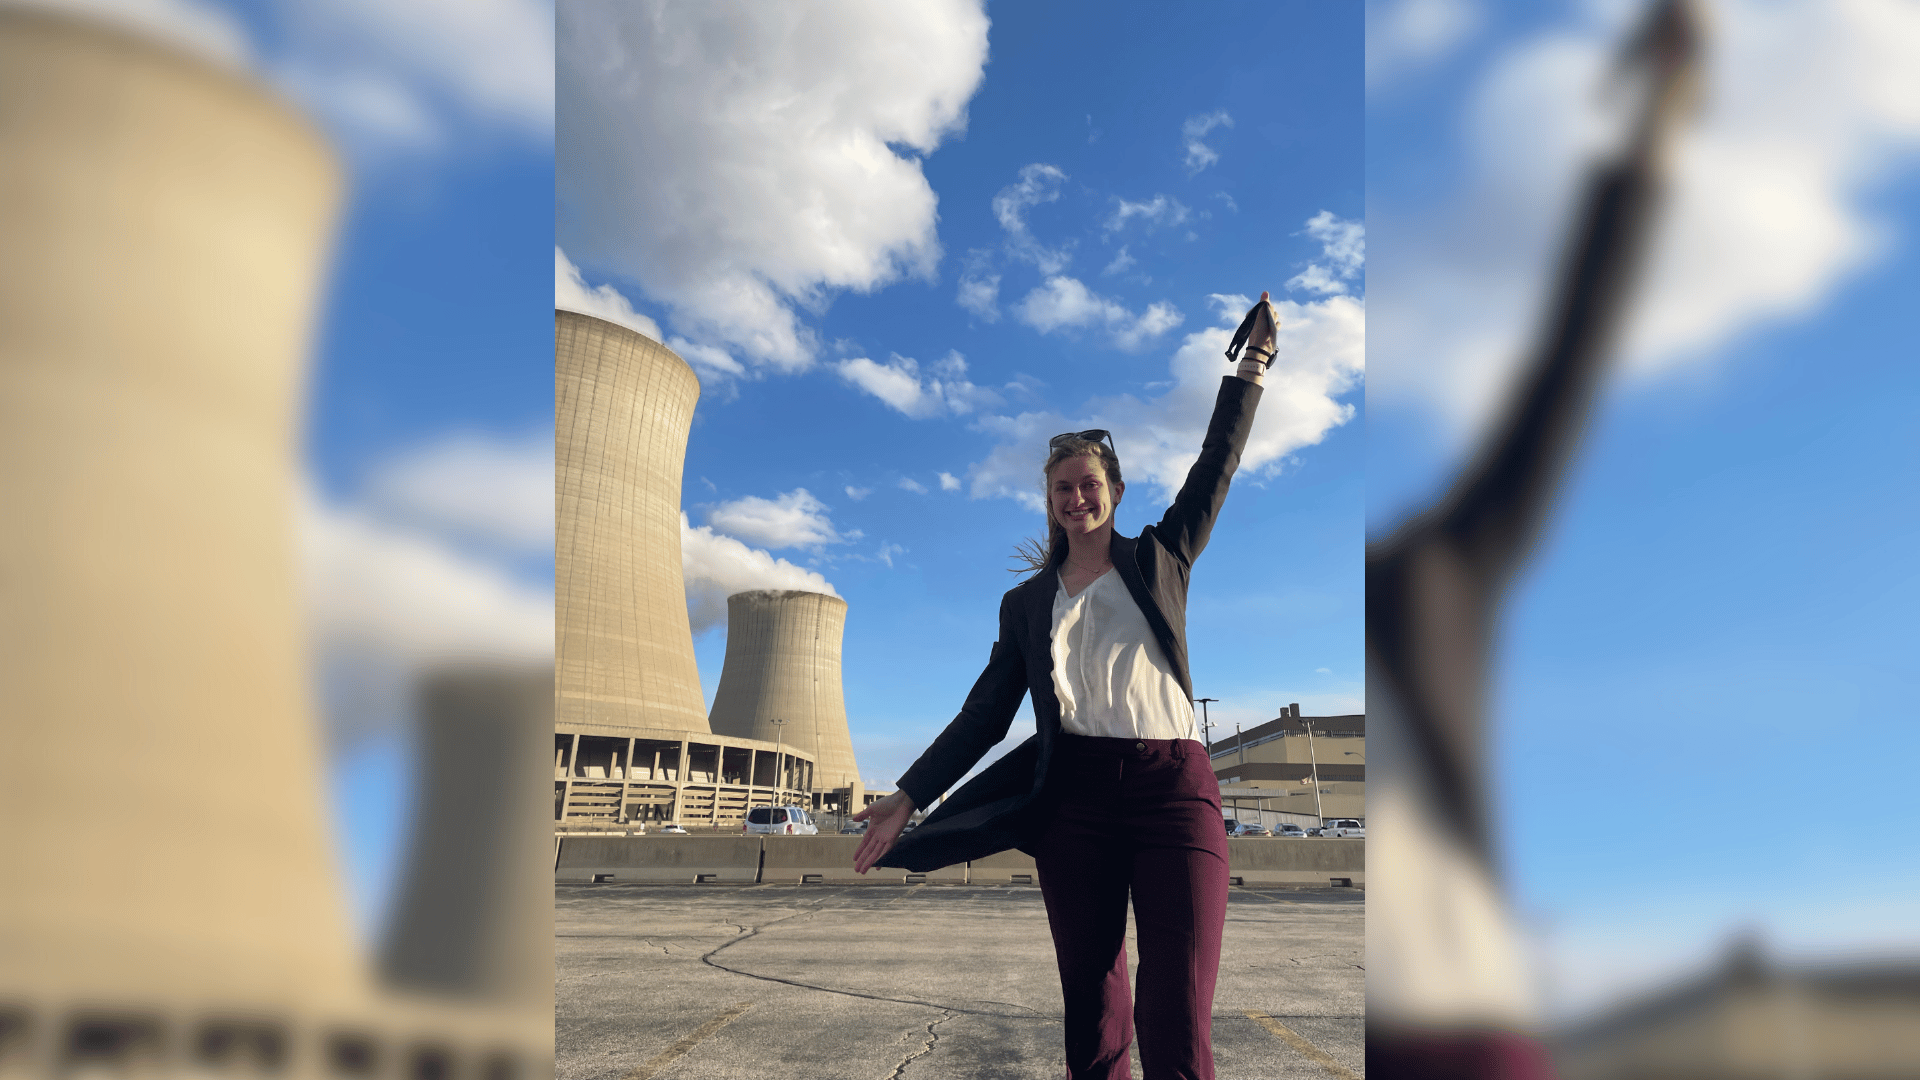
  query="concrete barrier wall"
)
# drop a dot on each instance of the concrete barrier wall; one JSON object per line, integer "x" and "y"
{"x": 1004, "y": 868}
{"x": 659, "y": 859}
{"x": 828, "y": 860}
{"x": 1292, "y": 860}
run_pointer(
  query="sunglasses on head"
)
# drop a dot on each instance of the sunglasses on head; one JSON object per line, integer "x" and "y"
{"x": 1090, "y": 435}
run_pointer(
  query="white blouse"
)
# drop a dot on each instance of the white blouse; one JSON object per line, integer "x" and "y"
{"x": 1111, "y": 677}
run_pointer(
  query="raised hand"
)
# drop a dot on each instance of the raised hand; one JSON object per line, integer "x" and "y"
{"x": 1262, "y": 337}
{"x": 885, "y": 818}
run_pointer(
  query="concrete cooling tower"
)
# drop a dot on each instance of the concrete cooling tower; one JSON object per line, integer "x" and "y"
{"x": 170, "y": 898}
{"x": 623, "y": 644}
{"x": 783, "y": 663}
{"x": 166, "y": 228}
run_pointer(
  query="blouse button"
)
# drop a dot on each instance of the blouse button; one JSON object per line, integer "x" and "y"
{"x": 1139, "y": 746}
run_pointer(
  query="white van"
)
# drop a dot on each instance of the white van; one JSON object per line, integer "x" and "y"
{"x": 779, "y": 821}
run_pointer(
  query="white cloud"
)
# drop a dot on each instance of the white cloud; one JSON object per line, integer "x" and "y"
{"x": 1120, "y": 263}
{"x": 979, "y": 286}
{"x": 498, "y": 491}
{"x": 711, "y": 362}
{"x": 949, "y": 482}
{"x": 899, "y": 383}
{"x": 1199, "y": 154}
{"x": 400, "y": 74}
{"x": 795, "y": 519}
{"x": 1810, "y": 109}
{"x": 1038, "y": 184}
{"x": 715, "y": 567}
{"x": 1343, "y": 244}
{"x": 741, "y": 160}
{"x": 888, "y": 551}
{"x": 1232, "y": 206}
{"x": 858, "y": 493}
{"x": 386, "y": 601}
{"x": 1160, "y": 211}
{"x": 1065, "y": 303}
{"x": 1322, "y": 357}
{"x": 1405, "y": 35}
{"x": 1316, "y": 278}
{"x": 571, "y": 293}
{"x": 908, "y": 483}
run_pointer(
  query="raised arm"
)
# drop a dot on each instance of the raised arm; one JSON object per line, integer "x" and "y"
{"x": 1189, "y": 521}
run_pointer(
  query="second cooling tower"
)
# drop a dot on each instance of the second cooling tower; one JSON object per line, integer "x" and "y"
{"x": 783, "y": 663}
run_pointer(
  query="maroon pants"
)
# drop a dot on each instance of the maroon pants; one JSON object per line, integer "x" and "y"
{"x": 1139, "y": 818}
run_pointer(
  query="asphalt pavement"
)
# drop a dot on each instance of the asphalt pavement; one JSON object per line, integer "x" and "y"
{"x": 927, "y": 982}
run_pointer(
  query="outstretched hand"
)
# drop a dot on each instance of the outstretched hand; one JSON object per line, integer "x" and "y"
{"x": 885, "y": 818}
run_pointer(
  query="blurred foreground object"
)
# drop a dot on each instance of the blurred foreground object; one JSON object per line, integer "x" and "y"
{"x": 1447, "y": 987}
{"x": 1752, "y": 1017}
{"x": 171, "y": 901}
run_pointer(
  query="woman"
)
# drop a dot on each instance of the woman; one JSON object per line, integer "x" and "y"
{"x": 1114, "y": 795}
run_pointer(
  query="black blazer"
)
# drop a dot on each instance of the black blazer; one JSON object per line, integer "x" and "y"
{"x": 1003, "y": 806}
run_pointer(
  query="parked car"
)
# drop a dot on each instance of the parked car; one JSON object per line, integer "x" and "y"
{"x": 854, "y": 828}
{"x": 780, "y": 821}
{"x": 1289, "y": 829}
{"x": 1232, "y": 825}
{"x": 671, "y": 830}
{"x": 1344, "y": 827}
{"x": 1251, "y": 829}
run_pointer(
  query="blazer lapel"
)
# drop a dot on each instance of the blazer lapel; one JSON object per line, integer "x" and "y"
{"x": 1040, "y": 595}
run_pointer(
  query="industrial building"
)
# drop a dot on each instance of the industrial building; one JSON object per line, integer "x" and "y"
{"x": 1267, "y": 773}
{"x": 1753, "y": 1016}
{"x": 173, "y": 899}
{"x": 632, "y": 740}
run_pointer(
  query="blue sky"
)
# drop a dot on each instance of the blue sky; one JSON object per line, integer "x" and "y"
{"x": 1702, "y": 705}
{"x": 882, "y": 362}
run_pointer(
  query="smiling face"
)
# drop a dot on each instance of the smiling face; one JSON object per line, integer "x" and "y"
{"x": 1079, "y": 496}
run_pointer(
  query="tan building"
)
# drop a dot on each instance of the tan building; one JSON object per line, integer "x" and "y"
{"x": 783, "y": 664}
{"x": 1755, "y": 1018}
{"x": 1267, "y": 772}
{"x": 172, "y": 903}
{"x": 623, "y": 647}
{"x": 631, "y": 739}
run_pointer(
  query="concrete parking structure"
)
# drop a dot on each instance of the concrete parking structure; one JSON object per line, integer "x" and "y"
{"x": 714, "y": 981}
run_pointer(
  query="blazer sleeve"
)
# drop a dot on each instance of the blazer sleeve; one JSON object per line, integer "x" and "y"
{"x": 1189, "y": 521}
{"x": 983, "y": 720}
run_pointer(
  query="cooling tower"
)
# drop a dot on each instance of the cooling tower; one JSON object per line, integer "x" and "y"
{"x": 163, "y": 831}
{"x": 783, "y": 663}
{"x": 623, "y": 645}
{"x": 475, "y": 918}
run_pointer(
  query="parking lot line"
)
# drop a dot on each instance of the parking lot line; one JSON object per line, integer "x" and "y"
{"x": 693, "y": 1039}
{"x": 1303, "y": 1047}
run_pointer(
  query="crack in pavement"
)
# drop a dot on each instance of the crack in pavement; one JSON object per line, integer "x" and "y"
{"x": 932, "y": 1038}
{"x": 709, "y": 960}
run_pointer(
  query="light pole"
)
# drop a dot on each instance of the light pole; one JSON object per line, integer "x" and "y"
{"x": 779, "y": 766}
{"x": 1314, "y": 763}
{"x": 1206, "y": 728}
{"x": 1240, "y": 743}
